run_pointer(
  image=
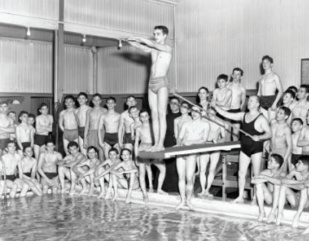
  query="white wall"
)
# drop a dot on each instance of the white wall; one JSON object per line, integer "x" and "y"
{"x": 127, "y": 16}
{"x": 78, "y": 69}
{"x": 25, "y": 66}
{"x": 48, "y": 9}
{"x": 213, "y": 37}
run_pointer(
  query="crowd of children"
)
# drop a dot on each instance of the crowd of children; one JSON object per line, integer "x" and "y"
{"x": 101, "y": 146}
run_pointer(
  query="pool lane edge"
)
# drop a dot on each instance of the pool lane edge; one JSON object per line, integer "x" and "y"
{"x": 204, "y": 205}
{"x": 213, "y": 206}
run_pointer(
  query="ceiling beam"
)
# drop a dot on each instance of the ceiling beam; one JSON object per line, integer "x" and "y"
{"x": 28, "y": 21}
{"x": 170, "y": 2}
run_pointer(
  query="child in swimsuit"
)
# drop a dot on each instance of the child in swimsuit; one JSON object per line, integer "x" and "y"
{"x": 127, "y": 177}
{"x": 8, "y": 167}
{"x": 101, "y": 172}
{"x": 297, "y": 125}
{"x": 24, "y": 132}
{"x": 44, "y": 125}
{"x": 86, "y": 168}
{"x": 68, "y": 123}
{"x": 28, "y": 164}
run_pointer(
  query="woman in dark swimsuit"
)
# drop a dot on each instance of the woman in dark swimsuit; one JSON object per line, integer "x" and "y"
{"x": 256, "y": 125}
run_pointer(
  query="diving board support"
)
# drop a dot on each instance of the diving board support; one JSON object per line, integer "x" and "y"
{"x": 189, "y": 150}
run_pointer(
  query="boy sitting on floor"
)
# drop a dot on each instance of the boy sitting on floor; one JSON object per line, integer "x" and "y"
{"x": 124, "y": 175}
{"x": 66, "y": 167}
{"x": 28, "y": 165}
{"x": 90, "y": 163}
{"x": 9, "y": 163}
{"x": 268, "y": 185}
{"x": 47, "y": 167}
{"x": 300, "y": 175}
{"x": 101, "y": 173}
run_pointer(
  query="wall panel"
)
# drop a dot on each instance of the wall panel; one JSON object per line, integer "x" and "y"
{"x": 78, "y": 69}
{"x": 129, "y": 16}
{"x": 35, "y": 103}
{"x": 213, "y": 37}
{"x": 122, "y": 71}
{"x": 25, "y": 66}
{"x": 48, "y": 9}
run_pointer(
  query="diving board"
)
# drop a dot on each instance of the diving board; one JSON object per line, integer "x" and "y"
{"x": 187, "y": 150}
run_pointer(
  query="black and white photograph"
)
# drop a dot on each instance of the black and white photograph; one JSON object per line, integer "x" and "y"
{"x": 146, "y": 120}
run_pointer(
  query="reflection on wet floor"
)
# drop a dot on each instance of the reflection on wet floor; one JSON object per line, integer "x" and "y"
{"x": 61, "y": 217}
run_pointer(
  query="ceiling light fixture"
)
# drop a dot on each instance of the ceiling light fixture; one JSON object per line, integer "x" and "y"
{"x": 84, "y": 39}
{"x": 120, "y": 44}
{"x": 28, "y": 32}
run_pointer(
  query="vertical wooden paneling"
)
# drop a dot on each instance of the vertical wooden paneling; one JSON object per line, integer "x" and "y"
{"x": 133, "y": 16}
{"x": 78, "y": 69}
{"x": 125, "y": 71}
{"x": 303, "y": 25}
{"x": 47, "y": 9}
{"x": 25, "y": 66}
{"x": 213, "y": 37}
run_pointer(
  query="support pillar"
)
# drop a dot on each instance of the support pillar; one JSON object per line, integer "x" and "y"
{"x": 58, "y": 68}
{"x": 94, "y": 87}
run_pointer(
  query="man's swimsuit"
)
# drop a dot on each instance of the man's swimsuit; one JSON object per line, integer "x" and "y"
{"x": 70, "y": 135}
{"x": 144, "y": 147}
{"x": 40, "y": 140}
{"x": 127, "y": 139}
{"x": 25, "y": 145}
{"x": 10, "y": 177}
{"x": 111, "y": 138}
{"x": 51, "y": 175}
{"x": 249, "y": 146}
{"x": 93, "y": 138}
{"x": 295, "y": 158}
{"x": 234, "y": 111}
{"x": 28, "y": 174}
{"x": 81, "y": 132}
{"x": 281, "y": 151}
{"x": 267, "y": 101}
{"x": 157, "y": 83}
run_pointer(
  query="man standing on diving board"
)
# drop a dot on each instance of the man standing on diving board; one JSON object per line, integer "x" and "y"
{"x": 161, "y": 56}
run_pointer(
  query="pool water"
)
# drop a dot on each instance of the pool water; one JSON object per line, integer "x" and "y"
{"x": 61, "y": 217}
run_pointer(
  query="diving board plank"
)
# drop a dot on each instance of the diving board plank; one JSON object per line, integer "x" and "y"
{"x": 187, "y": 150}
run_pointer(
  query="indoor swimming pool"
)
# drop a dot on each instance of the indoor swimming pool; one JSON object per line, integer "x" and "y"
{"x": 62, "y": 217}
